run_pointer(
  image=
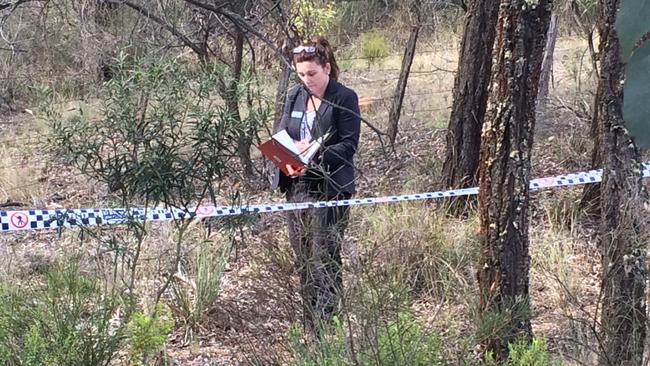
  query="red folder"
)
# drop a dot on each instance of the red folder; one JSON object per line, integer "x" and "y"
{"x": 280, "y": 149}
{"x": 279, "y": 155}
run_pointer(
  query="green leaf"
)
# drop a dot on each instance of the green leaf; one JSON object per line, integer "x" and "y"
{"x": 636, "y": 106}
{"x": 632, "y": 22}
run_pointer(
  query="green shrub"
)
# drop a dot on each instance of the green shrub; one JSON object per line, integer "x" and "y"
{"x": 398, "y": 342}
{"x": 148, "y": 333}
{"x": 328, "y": 349}
{"x": 524, "y": 353}
{"x": 402, "y": 342}
{"x": 499, "y": 323}
{"x": 162, "y": 138}
{"x": 528, "y": 354}
{"x": 67, "y": 319}
{"x": 311, "y": 19}
{"x": 374, "y": 47}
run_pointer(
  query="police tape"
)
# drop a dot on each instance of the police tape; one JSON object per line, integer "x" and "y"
{"x": 66, "y": 218}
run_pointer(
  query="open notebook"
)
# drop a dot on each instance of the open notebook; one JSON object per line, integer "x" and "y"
{"x": 281, "y": 150}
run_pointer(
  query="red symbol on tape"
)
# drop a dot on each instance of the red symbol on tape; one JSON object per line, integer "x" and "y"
{"x": 204, "y": 210}
{"x": 19, "y": 220}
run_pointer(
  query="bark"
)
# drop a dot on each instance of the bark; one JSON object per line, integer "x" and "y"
{"x": 232, "y": 105}
{"x": 289, "y": 43}
{"x": 622, "y": 237}
{"x": 547, "y": 62}
{"x": 470, "y": 98}
{"x": 504, "y": 171}
{"x": 590, "y": 201}
{"x": 280, "y": 95}
{"x": 398, "y": 98}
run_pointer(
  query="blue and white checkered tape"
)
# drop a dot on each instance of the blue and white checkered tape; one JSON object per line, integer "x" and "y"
{"x": 60, "y": 218}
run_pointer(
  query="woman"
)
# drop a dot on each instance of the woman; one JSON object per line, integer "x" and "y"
{"x": 317, "y": 106}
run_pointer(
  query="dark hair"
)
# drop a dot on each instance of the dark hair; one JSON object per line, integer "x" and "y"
{"x": 324, "y": 54}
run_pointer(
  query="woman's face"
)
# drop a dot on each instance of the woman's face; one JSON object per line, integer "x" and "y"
{"x": 314, "y": 76}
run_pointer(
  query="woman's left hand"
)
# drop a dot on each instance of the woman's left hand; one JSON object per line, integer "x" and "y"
{"x": 296, "y": 171}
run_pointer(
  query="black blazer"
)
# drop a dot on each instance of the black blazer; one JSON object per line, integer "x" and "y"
{"x": 333, "y": 172}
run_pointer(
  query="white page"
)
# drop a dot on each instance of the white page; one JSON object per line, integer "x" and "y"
{"x": 313, "y": 148}
{"x": 285, "y": 140}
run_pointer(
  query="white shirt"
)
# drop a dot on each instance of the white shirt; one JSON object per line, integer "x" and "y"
{"x": 307, "y": 124}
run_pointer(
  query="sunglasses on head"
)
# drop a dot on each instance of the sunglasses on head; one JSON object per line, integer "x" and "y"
{"x": 306, "y": 49}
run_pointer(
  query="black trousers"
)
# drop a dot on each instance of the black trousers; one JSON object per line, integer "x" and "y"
{"x": 316, "y": 236}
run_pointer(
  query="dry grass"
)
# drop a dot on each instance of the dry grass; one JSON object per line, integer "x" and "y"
{"x": 21, "y": 161}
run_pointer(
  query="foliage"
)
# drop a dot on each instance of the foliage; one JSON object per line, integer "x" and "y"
{"x": 329, "y": 349}
{"x": 67, "y": 320}
{"x": 634, "y": 34}
{"x": 8, "y": 85}
{"x": 374, "y": 46}
{"x": 524, "y": 353}
{"x": 498, "y": 323}
{"x": 311, "y": 19}
{"x": 148, "y": 333}
{"x": 402, "y": 342}
{"x": 162, "y": 137}
{"x": 397, "y": 342}
{"x": 196, "y": 286}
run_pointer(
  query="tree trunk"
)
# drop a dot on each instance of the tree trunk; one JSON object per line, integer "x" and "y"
{"x": 622, "y": 237}
{"x": 547, "y": 61}
{"x": 590, "y": 201}
{"x": 283, "y": 83}
{"x": 504, "y": 171}
{"x": 232, "y": 105}
{"x": 398, "y": 98}
{"x": 470, "y": 97}
{"x": 280, "y": 95}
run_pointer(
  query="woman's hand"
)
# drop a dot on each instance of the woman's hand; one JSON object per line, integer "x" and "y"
{"x": 302, "y": 145}
{"x": 295, "y": 171}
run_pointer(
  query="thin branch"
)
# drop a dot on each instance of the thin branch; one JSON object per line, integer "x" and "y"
{"x": 268, "y": 11}
{"x": 241, "y": 23}
{"x": 196, "y": 48}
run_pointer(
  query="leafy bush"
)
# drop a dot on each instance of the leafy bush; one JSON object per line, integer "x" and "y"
{"x": 148, "y": 333}
{"x": 67, "y": 320}
{"x": 329, "y": 349}
{"x": 162, "y": 139}
{"x": 397, "y": 342}
{"x": 524, "y": 353}
{"x": 312, "y": 19}
{"x": 374, "y": 47}
{"x": 402, "y": 342}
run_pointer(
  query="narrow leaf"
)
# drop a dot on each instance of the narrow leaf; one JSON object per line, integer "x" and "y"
{"x": 636, "y": 106}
